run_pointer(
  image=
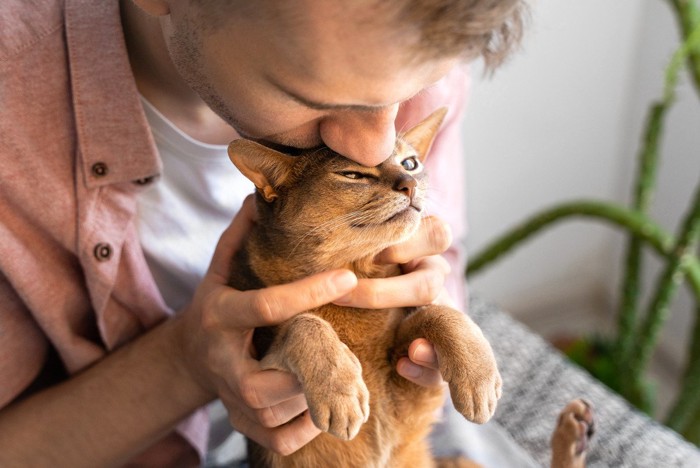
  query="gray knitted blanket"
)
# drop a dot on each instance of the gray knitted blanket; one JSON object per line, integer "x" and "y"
{"x": 539, "y": 381}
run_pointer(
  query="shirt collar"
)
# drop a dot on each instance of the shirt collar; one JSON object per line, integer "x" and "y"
{"x": 114, "y": 139}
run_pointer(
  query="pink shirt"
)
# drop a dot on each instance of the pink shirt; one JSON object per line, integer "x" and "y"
{"x": 75, "y": 153}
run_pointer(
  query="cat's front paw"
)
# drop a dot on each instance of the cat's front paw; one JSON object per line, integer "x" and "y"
{"x": 338, "y": 398}
{"x": 474, "y": 380}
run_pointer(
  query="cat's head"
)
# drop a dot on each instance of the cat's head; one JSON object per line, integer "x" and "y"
{"x": 323, "y": 203}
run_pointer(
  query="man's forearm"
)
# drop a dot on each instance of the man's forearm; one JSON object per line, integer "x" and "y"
{"x": 109, "y": 412}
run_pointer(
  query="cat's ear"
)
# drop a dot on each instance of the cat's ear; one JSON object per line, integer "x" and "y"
{"x": 422, "y": 135}
{"x": 265, "y": 167}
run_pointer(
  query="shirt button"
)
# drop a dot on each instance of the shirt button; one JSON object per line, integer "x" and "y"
{"x": 102, "y": 252}
{"x": 99, "y": 169}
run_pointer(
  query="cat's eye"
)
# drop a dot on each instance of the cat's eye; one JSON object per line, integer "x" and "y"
{"x": 410, "y": 164}
{"x": 355, "y": 175}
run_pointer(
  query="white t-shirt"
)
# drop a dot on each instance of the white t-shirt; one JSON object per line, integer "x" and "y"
{"x": 182, "y": 215}
{"x": 180, "y": 219}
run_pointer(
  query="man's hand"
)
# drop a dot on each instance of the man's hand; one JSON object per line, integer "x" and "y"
{"x": 265, "y": 405}
{"x": 422, "y": 283}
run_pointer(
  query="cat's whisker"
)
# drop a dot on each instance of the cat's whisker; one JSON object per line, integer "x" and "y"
{"x": 357, "y": 217}
{"x": 326, "y": 227}
{"x": 318, "y": 150}
{"x": 401, "y": 130}
{"x": 432, "y": 201}
{"x": 435, "y": 191}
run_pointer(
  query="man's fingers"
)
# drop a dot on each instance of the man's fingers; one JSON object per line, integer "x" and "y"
{"x": 292, "y": 436}
{"x": 423, "y": 353}
{"x": 285, "y": 439}
{"x": 420, "y": 375}
{"x": 267, "y": 388}
{"x": 268, "y": 397}
{"x": 279, "y": 411}
{"x": 421, "y": 365}
{"x": 419, "y": 287}
{"x": 270, "y": 306}
{"x": 282, "y": 413}
{"x": 433, "y": 237}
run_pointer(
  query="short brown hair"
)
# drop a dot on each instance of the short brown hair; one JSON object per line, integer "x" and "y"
{"x": 487, "y": 28}
{"x": 490, "y": 29}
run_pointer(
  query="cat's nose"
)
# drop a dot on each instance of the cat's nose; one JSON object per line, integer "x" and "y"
{"x": 407, "y": 185}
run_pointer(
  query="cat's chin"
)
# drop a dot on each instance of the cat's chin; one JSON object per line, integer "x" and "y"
{"x": 409, "y": 216}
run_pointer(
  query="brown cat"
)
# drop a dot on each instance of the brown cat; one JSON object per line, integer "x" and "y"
{"x": 320, "y": 211}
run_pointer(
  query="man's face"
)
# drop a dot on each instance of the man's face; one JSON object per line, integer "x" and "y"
{"x": 313, "y": 73}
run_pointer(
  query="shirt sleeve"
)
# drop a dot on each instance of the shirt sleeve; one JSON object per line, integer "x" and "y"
{"x": 445, "y": 166}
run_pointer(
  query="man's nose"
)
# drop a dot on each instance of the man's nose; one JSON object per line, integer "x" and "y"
{"x": 366, "y": 137}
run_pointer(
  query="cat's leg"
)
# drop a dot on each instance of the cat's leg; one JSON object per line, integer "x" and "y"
{"x": 572, "y": 435}
{"x": 329, "y": 373}
{"x": 465, "y": 358}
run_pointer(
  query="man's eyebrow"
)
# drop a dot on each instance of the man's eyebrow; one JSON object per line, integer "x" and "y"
{"x": 325, "y": 106}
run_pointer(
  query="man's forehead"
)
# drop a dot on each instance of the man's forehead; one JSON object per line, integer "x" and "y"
{"x": 326, "y": 58}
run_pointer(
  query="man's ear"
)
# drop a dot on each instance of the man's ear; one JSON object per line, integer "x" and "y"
{"x": 422, "y": 135}
{"x": 266, "y": 168}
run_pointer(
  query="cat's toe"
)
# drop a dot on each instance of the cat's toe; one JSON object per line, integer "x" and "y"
{"x": 341, "y": 415}
{"x": 346, "y": 425}
{"x": 339, "y": 402}
{"x": 476, "y": 399}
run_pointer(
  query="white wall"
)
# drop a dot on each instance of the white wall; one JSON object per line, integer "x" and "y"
{"x": 562, "y": 120}
{"x": 546, "y": 127}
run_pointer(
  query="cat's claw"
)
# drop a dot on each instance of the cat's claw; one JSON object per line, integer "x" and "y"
{"x": 339, "y": 400}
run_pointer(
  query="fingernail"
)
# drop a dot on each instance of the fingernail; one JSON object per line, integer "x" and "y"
{"x": 422, "y": 353}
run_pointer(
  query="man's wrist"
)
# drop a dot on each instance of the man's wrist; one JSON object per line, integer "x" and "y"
{"x": 177, "y": 342}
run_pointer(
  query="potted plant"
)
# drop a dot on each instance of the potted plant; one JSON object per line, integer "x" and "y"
{"x": 621, "y": 359}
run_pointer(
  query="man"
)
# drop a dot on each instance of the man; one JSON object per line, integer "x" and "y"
{"x": 92, "y": 374}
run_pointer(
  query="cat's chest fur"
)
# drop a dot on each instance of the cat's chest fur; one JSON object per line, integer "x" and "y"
{"x": 369, "y": 333}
